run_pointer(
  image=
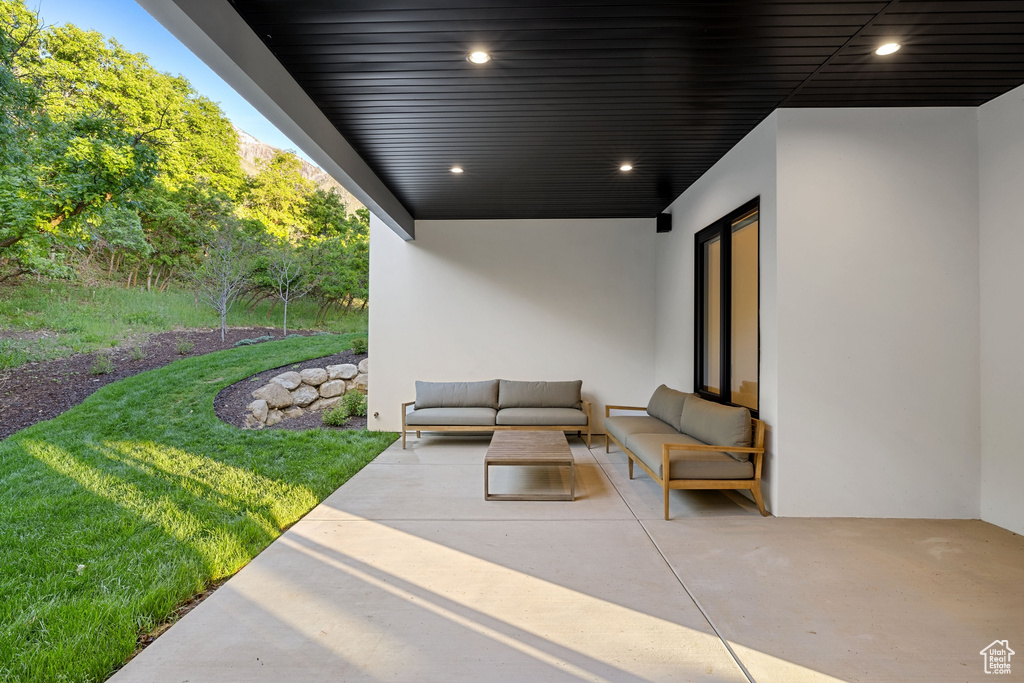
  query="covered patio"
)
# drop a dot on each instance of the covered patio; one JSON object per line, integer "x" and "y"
{"x": 537, "y": 216}
{"x": 407, "y": 574}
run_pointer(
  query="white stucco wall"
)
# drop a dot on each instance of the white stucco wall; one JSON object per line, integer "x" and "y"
{"x": 529, "y": 299}
{"x": 746, "y": 172}
{"x": 878, "y": 313}
{"x": 1001, "y": 163}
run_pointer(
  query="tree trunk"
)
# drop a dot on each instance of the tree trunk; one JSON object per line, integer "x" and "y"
{"x": 285, "y": 326}
{"x": 133, "y": 276}
{"x": 363, "y": 307}
{"x": 167, "y": 280}
{"x": 110, "y": 271}
{"x": 149, "y": 277}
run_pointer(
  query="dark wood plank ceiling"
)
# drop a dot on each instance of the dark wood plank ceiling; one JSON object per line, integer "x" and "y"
{"x": 577, "y": 87}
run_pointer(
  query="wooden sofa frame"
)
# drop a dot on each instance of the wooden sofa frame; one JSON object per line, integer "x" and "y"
{"x": 756, "y": 450}
{"x": 494, "y": 428}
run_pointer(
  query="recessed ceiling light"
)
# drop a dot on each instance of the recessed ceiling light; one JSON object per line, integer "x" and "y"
{"x": 887, "y": 49}
{"x": 456, "y": 169}
{"x": 479, "y": 57}
{"x": 626, "y": 167}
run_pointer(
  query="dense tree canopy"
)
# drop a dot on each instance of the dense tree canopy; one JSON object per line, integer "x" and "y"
{"x": 105, "y": 160}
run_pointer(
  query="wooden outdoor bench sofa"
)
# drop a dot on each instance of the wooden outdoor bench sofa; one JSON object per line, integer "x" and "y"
{"x": 685, "y": 442}
{"x": 495, "y": 405}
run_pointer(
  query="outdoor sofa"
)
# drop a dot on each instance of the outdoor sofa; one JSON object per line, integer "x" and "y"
{"x": 497, "y": 404}
{"x": 699, "y": 444}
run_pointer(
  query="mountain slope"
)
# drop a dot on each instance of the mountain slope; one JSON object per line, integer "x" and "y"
{"x": 252, "y": 150}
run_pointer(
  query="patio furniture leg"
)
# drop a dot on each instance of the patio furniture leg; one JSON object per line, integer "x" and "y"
{"x": 756, "y": 490}
{"x": 630, "y": 466}
{"x": 606, "y": 442}
{"x": 417, "y": 434}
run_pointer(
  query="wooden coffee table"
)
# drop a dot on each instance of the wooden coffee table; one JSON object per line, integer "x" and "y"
{"x": 525, "y": 448}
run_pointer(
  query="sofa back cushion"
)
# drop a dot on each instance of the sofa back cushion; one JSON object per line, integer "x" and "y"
{"x": 512, "y": 394}
{"x": 716, "y": 424}
{"x": 457, "y": 394}
{"x": 667, "y": 405}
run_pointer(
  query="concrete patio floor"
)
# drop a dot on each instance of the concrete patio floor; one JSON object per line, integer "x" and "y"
{"x": 406, "y": 573}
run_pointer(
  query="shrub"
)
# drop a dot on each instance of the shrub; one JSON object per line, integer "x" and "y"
{"x": 138, "y": 353}
{"x": 336, "y": 416}
{"x": 355, "y": 403}
{"x": 102, "y": 365}
{"x": 184, "y": 346}
{"x": 256, "y": 340}
{"x": 359, "y": 345}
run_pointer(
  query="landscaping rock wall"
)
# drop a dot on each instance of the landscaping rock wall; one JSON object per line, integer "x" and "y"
{"x": 291, "y": 394}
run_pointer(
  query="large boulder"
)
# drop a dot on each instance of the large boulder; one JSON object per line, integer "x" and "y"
{"x": 336, "y": 387}
{"x": 364, "y": 366}
{"x": 294, "y": 411}
{"x": 359, "y": 383}
{"x": 275, "y": 395}
{"x": 323, "y": 404}
{"x": 288, "y": 380}
{"x": 314, "y": 377}
{"x": 305, "y": 395}
{"x": 273, "y": 417}
{"x": 252, "y": 423}
{"x": 343, "y": 371}
{"x": 259, "y": 409}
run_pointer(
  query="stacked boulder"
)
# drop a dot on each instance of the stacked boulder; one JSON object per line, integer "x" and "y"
{"x": 292, "y": 394}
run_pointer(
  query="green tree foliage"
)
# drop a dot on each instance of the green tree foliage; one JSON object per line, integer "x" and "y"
{"x": 277, "y": 197}
{"x": 341, "y": 265}
{"x": 86, "y": 73}
{"x": 326, "y": 215}
{"x": 57, "y": 174}
{"x": 103, "y": 159}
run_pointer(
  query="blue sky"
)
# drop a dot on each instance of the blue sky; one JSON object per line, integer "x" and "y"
{"x": 132, "y": 26}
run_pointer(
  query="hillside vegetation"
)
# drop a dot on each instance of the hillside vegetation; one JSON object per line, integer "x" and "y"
{"x": 114, "y": 173}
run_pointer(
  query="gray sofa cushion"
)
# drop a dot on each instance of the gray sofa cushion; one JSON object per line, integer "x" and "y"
{"x": 457, "y": 394}
{"x": 688, "y": 464}
{"x": 512, "y": 394}
{"x": 667, "y": 405}
{"x": 624, "y": 426}
{"x": 542, "y": 416}
{"x": 716, "y": 424}
{"x": 451, "y": 416}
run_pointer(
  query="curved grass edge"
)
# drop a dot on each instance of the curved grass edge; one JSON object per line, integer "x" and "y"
{"x": 129, "y": 504}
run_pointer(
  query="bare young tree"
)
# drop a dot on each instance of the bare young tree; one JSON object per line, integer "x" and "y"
{"x": 288, "y": 277}
{"x": 220, "y": 278}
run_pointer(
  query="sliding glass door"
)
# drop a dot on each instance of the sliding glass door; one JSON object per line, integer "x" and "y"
{"x": 727, "y": 342}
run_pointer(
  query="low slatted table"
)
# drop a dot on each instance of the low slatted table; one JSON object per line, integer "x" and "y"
{"x": 525, "y": 448}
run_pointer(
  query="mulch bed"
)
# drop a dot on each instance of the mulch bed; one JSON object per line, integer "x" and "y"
{"x": 231, "y": 402}
{"x": 40, "y": 391}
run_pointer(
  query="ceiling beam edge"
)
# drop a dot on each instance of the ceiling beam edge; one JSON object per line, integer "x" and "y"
{"x": 215, "y": 33}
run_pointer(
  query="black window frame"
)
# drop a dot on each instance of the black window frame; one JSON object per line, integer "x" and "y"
{"x": 722, "y": 228}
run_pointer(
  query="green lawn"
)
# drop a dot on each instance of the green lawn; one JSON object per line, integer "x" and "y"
{"x": 81, "y": 318}
{"x": 125, "y": 506}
